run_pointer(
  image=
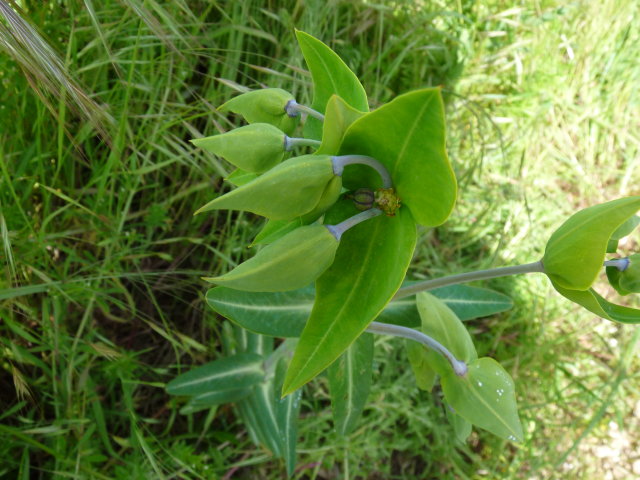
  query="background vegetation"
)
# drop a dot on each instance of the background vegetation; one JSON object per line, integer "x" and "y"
{"x": 100, "y": 297}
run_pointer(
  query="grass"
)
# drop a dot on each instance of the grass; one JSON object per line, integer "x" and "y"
{"x": 100, "y": 295}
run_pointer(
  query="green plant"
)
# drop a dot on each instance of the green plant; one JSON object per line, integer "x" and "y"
{"x": 345, "y": 218}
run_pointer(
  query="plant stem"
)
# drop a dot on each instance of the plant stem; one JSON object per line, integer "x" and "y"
{"x": 294, "y": 109}
{"x": 459, "y": 367}
{"x": 292, "y": 142}
{"x": 468, "y": 277}
{"x": 620, "y": 263}
{"x": 339, "y": 162}
{"x": 340, "y": 228}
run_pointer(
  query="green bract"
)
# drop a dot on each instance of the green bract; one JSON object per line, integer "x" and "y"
{"x": 575, "y": 252}
{"x": 289, "y": 190}
{"x": 293, "y": 261}
{"x": 254, "y": 148}
{"x": 263, "y": 106}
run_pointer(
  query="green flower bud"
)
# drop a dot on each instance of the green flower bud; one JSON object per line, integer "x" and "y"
{"x": 254, "y": 148}
{"x": 291, "y": 189}
{"x": 266, "y": 105}
{"x": 291, "y": 262}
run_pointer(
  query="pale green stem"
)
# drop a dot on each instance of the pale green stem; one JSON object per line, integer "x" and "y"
{"x": 620, "y": 263}
{"x": 340, "y": 228}
{"x": 468, "y": 277}
{"x": 293, "y": 142}
{"x": 341, "y": 161}
{"x": 294, "y": 109}
{"x": 459, "y": 367}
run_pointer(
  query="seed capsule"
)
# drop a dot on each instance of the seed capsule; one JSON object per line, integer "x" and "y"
{"x": 291, "y": 262}
{"x": 266, "y": 105}
{"x": 291, "y": 189}
{"x": 254, "y": 148}
{"x": 363, "y": 199}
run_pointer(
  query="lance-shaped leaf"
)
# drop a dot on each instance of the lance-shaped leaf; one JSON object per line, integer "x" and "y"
{"x": 485, "y": 396}
{"x": 349, "y": 383}
{"x": 293, "y": 261}
{"x": 338, "y": 116}
{"x": 230, "y": 373}
{"x": 284, "y": 314}
{"x": 407, "y": 135}
{"x": 592, "y": 301}
{"x": 266, "y": 105}
{"x": 287, "y": 411}
{"x": 370, "y": 264}
{"x": 575, "y": 252}
{"x": 285, "y": 192}
{"x": 254, "y": 148}
{"x": 215, "y": 397}
{"x": 331, "y": 76}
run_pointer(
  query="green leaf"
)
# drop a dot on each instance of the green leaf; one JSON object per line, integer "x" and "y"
{"x": 285, "y": 192}
{"x": 254, "y": 148}
{"x": 423, "y": 372}
{"x": 216, "y": 397}
{"x": 623, "y": 230}
{"x": 575, "y": 252}
{"x": 441, "y": 324}
{"x": 592, "y": 301}
{"x": 331, "y": 76}
{"x": 239, "y": 371}
{"x": 461, "y": 428}
{"x": 407, "y": 135}
{"x": 485, "y": 396}
{"x": 275, "y": 229}
{"x": 349, "y": 383}
{"x": 338, "y": 116}
{"x": 287, "y": 411}
{"x": 370, "y": 263}
{"x": 239, "y": 177}
{"x": 284, "y": 314}
{"x": 293, "y": 261}
{"x": 266, "y": 105}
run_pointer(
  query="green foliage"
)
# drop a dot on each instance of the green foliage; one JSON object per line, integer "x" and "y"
{"x": 291, "y": 262}
{"x": 267, "y": 140}
{"x": 331, "y": 76}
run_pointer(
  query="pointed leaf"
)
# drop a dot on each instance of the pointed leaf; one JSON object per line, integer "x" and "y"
{"x": 239, "y": 371}
{"x": 575, "y": 252}
{"x": 370, "y": 263}
{"x": 338, "y": 116}
{"x": 287, "y": 412}
{"x": 284, "y": 314}
{"x": 217, "y": 397}
{"x": 407, "y": 135}
{"x": 485, "y": 396}
{"x": 461, "y": 428}
{"x": 330, "y": 76}
{"x": 349, "y": 383}
{"x": 592, "y": 301}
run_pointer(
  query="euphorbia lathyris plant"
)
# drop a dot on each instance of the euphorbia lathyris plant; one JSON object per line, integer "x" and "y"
{"x": 339, "y": 237}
